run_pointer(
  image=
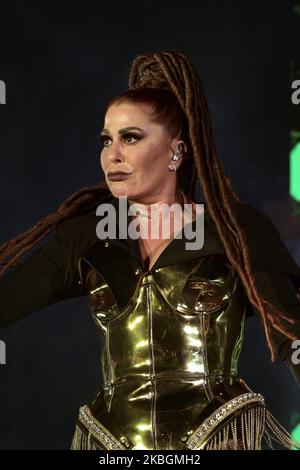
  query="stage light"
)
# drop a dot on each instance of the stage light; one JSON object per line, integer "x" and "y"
{"x": 296, "y": 433}
{"x": 295, "y": 172}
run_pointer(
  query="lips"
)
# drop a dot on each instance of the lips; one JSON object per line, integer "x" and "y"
{"x": 118, "y": 176}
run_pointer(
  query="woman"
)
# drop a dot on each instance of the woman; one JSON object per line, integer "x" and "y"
{"x": 171, "y": 318}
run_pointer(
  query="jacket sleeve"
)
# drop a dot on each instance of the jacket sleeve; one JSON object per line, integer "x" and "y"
{"x": 278, "y": 276}
{"x": 47, "y": 276}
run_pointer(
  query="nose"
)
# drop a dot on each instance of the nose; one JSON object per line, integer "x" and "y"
{"x": 114, "y": 152}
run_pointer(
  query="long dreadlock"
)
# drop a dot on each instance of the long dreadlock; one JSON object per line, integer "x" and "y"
{"x": 172, "y": 71}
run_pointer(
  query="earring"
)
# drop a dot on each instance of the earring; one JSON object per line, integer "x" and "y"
{"x": 175, "y": 157}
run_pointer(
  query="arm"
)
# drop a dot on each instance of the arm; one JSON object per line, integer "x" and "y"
{"x": 47, "y": 276}
{"x": 291, "y": 303}
{"x": 278, "y": 276}
{"x": 281, "y": 290}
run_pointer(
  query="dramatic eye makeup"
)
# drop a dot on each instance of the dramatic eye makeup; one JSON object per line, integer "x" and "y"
{"x": 125, "y": 134}
{"x": 128, "y": 135}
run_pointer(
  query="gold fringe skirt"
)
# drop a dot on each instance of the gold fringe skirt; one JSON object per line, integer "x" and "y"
{"x": 242, "y": 423}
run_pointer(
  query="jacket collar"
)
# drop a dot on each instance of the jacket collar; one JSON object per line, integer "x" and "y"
{"x": 175, "y": 251}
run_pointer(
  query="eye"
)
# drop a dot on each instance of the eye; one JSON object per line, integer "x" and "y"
{"x": 103, "y": 139}
{"x": 128, "y": 138}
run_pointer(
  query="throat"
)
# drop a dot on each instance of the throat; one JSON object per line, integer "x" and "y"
{"x": 151, "y": 250}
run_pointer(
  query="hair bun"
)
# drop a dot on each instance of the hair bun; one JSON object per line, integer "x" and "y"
{"x": 146, "y": 72}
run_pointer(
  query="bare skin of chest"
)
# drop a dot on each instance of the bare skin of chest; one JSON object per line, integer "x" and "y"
{"x": 152, "y": 248}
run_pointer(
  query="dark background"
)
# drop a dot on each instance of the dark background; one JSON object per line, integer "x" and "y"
{"x": 62, "y": 62}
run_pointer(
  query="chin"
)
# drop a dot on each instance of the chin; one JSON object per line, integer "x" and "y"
{"x": 120, "y": 192}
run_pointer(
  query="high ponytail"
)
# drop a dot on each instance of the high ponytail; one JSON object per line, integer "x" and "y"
{"x": 173, "y": 73}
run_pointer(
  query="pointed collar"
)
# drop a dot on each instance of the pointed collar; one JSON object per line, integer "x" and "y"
{"x": 175, "y": 251}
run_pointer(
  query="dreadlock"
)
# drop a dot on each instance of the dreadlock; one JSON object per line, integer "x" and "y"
{"x": 172, "y": 72}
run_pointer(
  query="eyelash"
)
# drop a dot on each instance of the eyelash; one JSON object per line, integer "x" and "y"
{"x": 103, "y": 138}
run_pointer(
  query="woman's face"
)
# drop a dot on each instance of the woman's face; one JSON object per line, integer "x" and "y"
{"x": 132, "y": 143}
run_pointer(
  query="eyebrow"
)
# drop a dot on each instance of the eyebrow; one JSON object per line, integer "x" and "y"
{"x": 122, "y": 131}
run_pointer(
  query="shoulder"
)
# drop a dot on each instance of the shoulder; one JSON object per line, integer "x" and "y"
{"x": 247, "y": 214}
{"x": 267, "y": 247}
{"x": 251, "y": 217}
{"x": 257, "y": 223}
{"x": 83, "y": 227}
{"x": 78, "y": 233}
{"x": 77, "y": 226}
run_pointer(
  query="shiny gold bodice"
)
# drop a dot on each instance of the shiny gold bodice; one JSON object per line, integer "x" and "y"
{"x": 171, "y": 341}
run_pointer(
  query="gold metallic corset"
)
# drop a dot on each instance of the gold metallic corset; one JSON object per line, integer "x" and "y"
{"x": 171, "y": 341}
{"x": 182, "y": 319}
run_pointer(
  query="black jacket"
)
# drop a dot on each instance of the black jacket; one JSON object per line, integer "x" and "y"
{"x": 51, "y": 274}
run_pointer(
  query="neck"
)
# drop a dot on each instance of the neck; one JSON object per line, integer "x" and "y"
{"x": 145, "y": 207}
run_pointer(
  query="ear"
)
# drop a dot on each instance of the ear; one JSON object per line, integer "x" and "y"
{"x": 179, "y": 145}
